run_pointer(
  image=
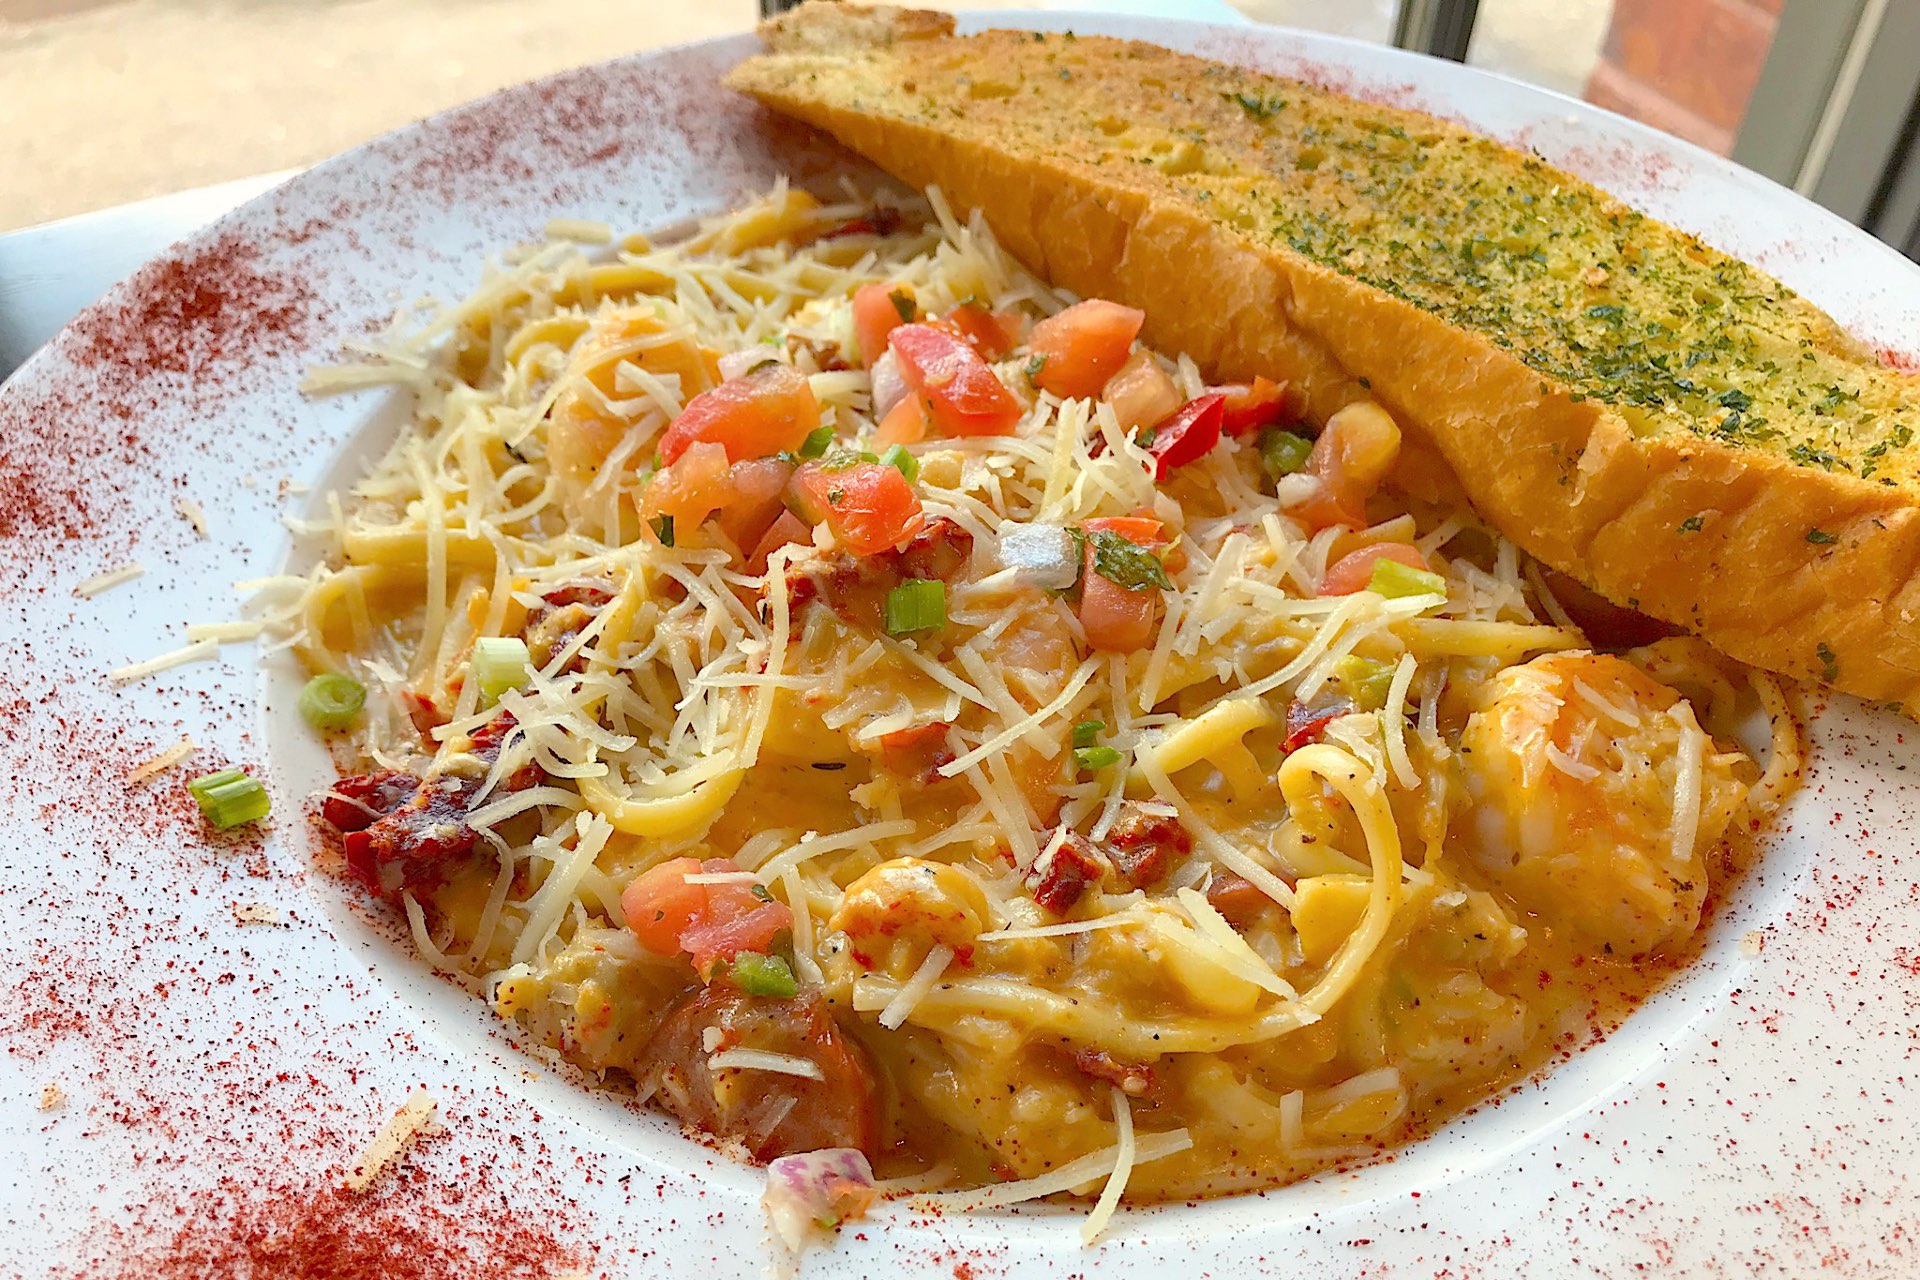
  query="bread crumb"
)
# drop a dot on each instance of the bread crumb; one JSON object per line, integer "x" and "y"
{"x": 1751, "y": 942}
{"x": 256, "y": 913}
{"x": 1596, "y": 277}
{"x": 412, "y": 1117}
{"x": 52, "y": 1098}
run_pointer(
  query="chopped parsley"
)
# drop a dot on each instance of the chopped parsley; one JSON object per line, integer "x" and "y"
{"x": 1829, "y": 665}
{"x": 1692, "y": 524}
{"x": 1121, "y": 562}
{"x": 1821, "y": 536}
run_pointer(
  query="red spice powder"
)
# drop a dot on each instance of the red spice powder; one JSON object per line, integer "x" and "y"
{"x": 197, "y": 315}
{"x": 417, "y": 1228}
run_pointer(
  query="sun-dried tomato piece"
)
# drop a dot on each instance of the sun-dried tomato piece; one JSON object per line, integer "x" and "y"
{"x": 356, "y": 803}
{"x": 1059, "y": 879}
{"x": 856, "y": 587}
{"x": 1134, "y": 1078}
{"x": 1236, "y": 899}
{"x": 1306, "y": 723}
{"x": 1145, "y": 846}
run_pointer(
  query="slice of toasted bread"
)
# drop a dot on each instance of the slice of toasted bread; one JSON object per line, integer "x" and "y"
{"x": 1668, "y": 424}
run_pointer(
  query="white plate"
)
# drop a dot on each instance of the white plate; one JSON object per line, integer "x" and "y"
{"x": 1757, "y": 1115}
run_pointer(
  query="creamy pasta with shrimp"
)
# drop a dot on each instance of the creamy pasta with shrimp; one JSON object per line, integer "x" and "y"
{"x": 871, "y": 707}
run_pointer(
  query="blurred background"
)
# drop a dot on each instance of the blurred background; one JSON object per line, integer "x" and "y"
{"x": 107, "y": 101}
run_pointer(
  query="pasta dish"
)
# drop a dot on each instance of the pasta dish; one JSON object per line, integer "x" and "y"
{"x": 814, "y": 675}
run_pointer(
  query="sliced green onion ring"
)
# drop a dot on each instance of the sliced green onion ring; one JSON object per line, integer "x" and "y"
{"x": 917, "y": 605}
{"x": 500, "y": 663}
{"x": 230, "y": 798}
{"x": 332, "y": 701}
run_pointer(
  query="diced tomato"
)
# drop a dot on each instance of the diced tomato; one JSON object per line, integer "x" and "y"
{"x": 693, "y": 487}
{"x": 660, "y": 905}
{"x": 905, "y": 423}
{"x": 869, "y": 505}
{"x": 1059, "y": 879}
{"x": 708, "y": 921}
{"x": 788, "y": 529}
{"x": 1083, "y": 346}
{"x": 1260, "y": 404}
{"x": 1116, "y": 619}
{"x": 720, "y": 938}
{"x": 989, "y": 334}
{"x": 1141, "y": 394}
{"x": 963, "y": 396}
{"x": 1188, "y": 435}
{"x": 879, "y": 309}
{"x": 1352, "y": 456}
{"x": 762, "y": 413}
{"x": 758, "y": 486}
{"x": 1141, "y": 531}
{"x": 1353, "y": 571}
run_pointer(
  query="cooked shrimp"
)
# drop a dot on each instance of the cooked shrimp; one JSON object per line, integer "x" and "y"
{"x": 897, "y": 912}
{"x": 1587, "y": 810}
{"x": 585, "y": 431}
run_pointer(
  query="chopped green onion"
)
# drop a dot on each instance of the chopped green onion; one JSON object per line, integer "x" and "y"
{"x": 1367, "y": 682}
{"x": 918, "y": 605}
{"x": 816, "y": 442}
{"x": 900, "y": 460}
{"x": 663, "y": 529}
{"x": 1087, "y": 732}
{"x": 1094, "y": 759}
{"x": 500, "y": 663}
{"x": 1394, "y": 580}
{"x": 332, "y": 701}
{"x": 229, "y": 798}
{"x": 762, "y": 975}
{"x": 1282, "y": 452}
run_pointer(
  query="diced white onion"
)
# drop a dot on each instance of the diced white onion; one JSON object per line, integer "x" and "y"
{"x": 889, "y": 387}
{"x": 1041, "y": 555}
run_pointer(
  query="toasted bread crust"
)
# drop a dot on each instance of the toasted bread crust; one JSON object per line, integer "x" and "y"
{"x": 1791, "y": 541}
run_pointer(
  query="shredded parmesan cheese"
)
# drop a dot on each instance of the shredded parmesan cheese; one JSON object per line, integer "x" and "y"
{"x": 198, "y": 651}
{"x": 190, "y": 512}
{"x": 915, "y": 988}
{"x": 159, "y": 764}
{"x": 1075, "y": 1173}
{"x": 1124, "y": 1153}
{"x": 785, "y": 1064}
{"x": 108, "y": 579}
{"x": 405, "y": 1124}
